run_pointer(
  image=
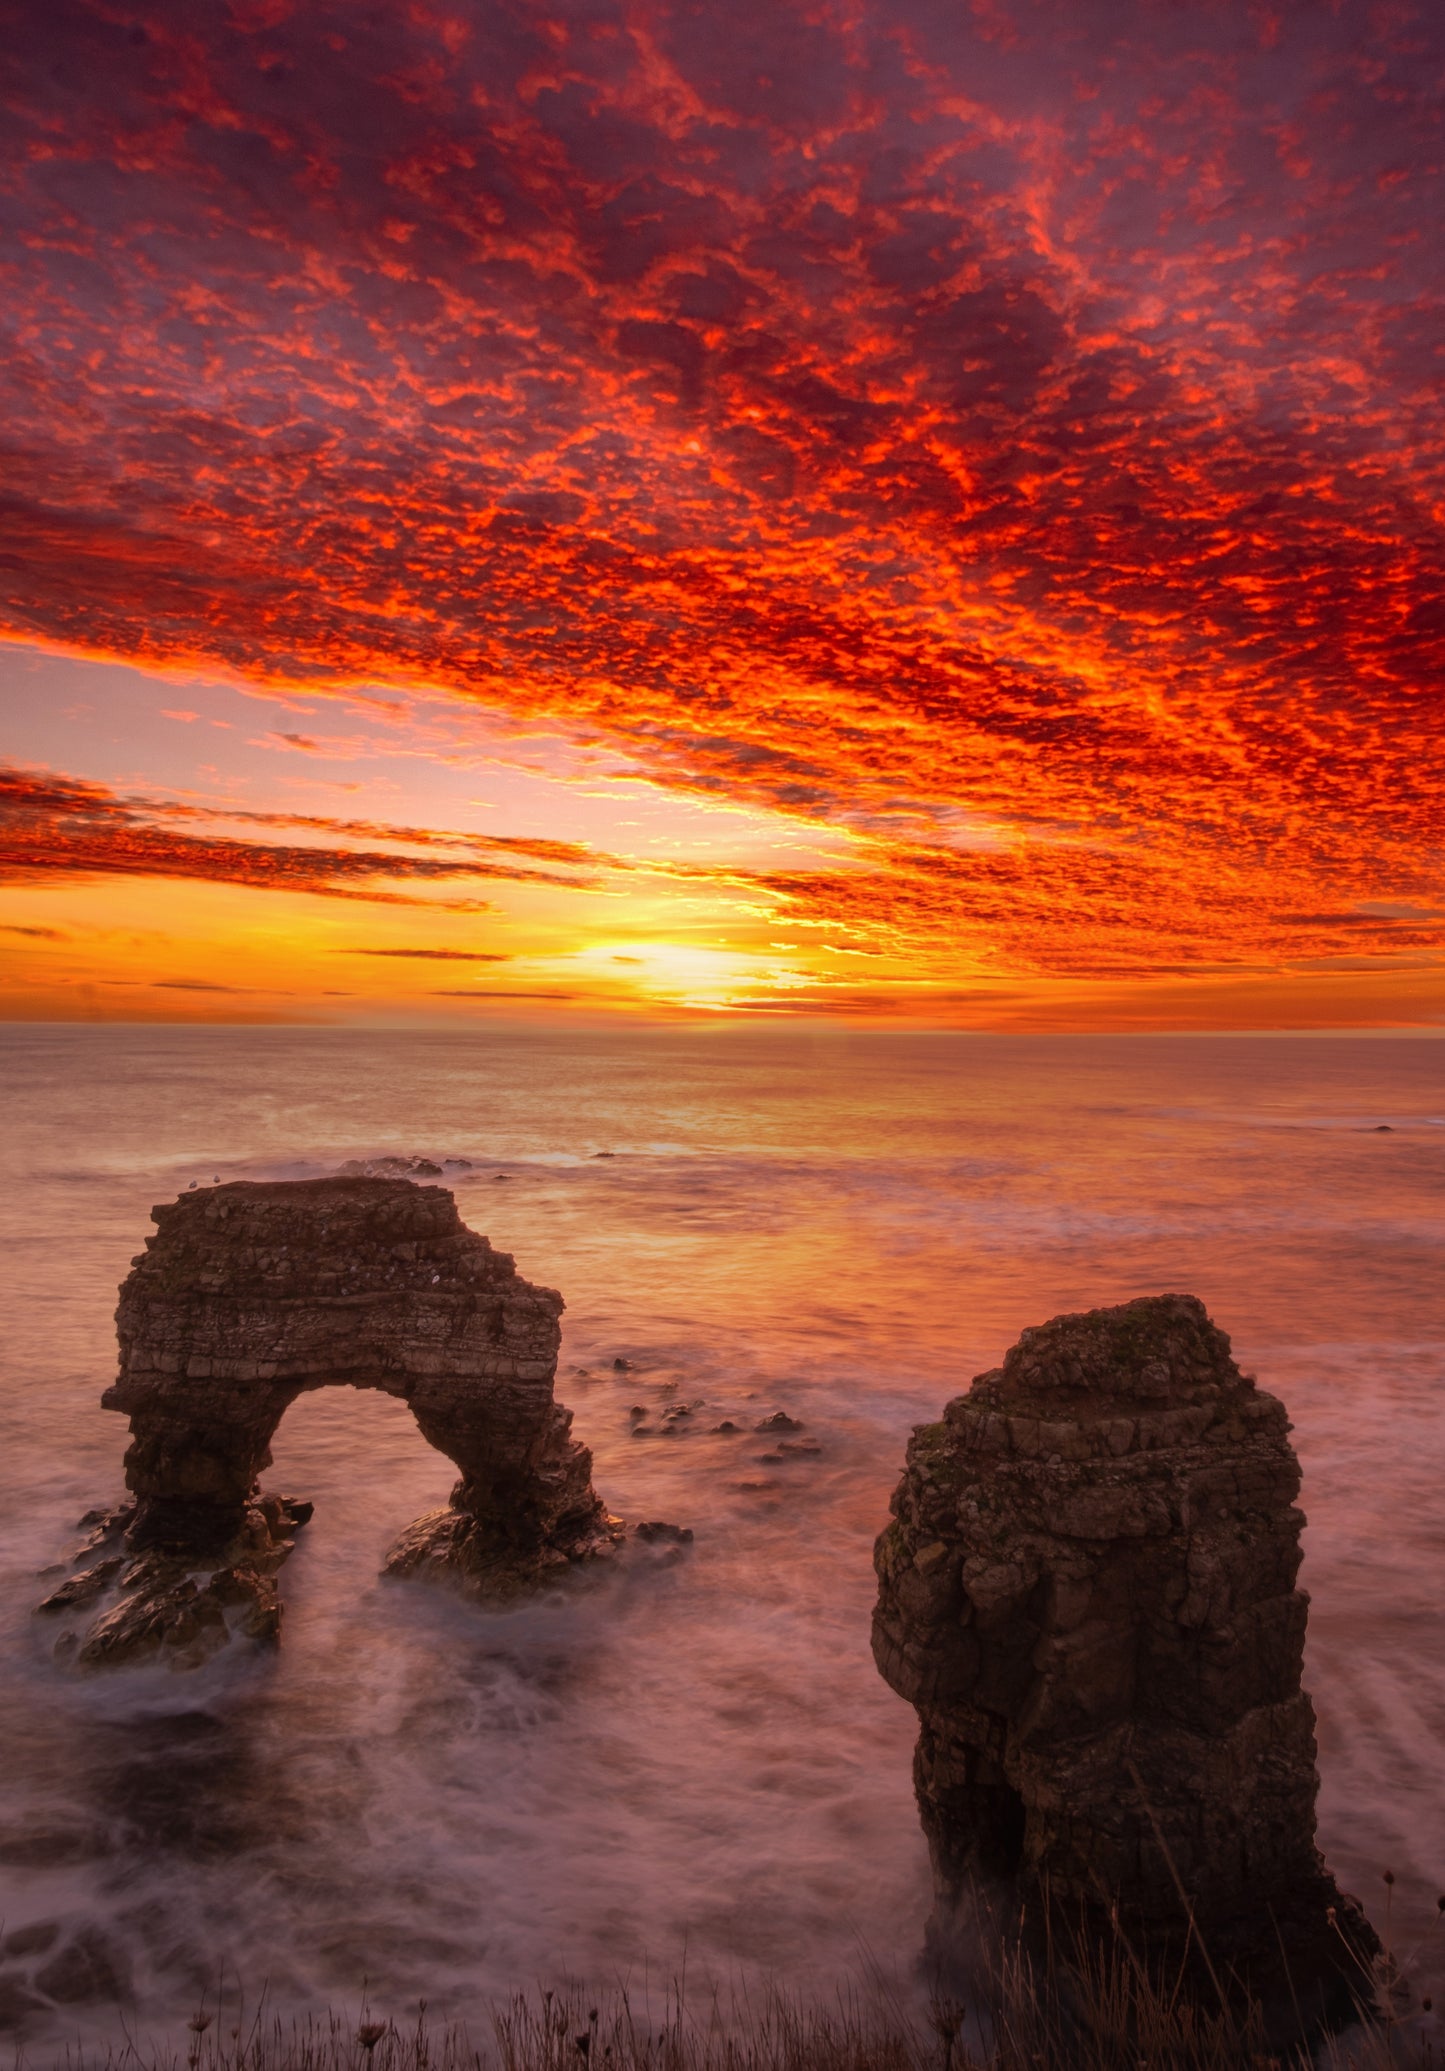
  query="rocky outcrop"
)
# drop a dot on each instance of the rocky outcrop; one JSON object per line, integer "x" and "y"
{"x": 249, "y": 1295}
{"x": 172, "y": 1604}
{"x": 391, "y": 1166}
{"x": 1088, "y": 1593}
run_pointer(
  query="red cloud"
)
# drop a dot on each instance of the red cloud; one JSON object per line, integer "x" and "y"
{"x": 1032, "y": 410}
{"x": 54, "y": 826}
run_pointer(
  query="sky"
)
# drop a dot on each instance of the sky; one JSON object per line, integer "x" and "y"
{"x": 928, "y": 512}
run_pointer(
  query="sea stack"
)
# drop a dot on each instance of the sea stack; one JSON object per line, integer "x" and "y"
{"x": 1088, "y": 1594}
{"x": 250, "y": 1294}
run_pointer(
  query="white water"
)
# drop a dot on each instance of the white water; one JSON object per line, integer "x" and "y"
{"x": 700, "y": 1764}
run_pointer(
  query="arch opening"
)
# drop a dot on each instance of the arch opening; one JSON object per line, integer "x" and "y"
{"x": 366, "y": 1468}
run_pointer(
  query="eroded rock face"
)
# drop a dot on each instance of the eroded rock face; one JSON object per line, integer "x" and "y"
{"x": 247, "y": 1296}
{"x": 1088, "y": 1593}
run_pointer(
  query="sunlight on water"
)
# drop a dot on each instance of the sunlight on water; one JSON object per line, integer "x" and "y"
{"x": 697, "y": 1763}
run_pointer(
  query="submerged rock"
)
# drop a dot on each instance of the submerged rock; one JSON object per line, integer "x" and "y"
{"x": 51, "y": 1847}
{"x": 83, "y": 1588}
{"x": 18, "y": 2003}
{"x": 87, "y": 1968}
{"x": 1088, "y": 1594}
{"x": 31, "y": 1940}
{"x": 393, "y": 1167}
{"x": 250, "y": 1295}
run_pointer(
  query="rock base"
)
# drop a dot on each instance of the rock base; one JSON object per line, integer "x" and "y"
{"x": 124, "y": 1606}
{"x": 455, "y": 1550}
{"x": 164, "y": 1605}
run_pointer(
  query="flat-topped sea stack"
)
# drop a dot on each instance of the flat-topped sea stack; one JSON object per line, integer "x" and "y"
{"x": 1088, "y": 1593}
{"x": 247, "y": 1296}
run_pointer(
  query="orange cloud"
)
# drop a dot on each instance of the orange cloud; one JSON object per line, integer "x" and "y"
{"x": 923, "y": 419}
{"x": 457, "y": 956}
{"x": 63, "y": 827}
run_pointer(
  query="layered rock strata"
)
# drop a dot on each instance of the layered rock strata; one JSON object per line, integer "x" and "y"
{"x": 249, "y": 1295}
{"x": 1088, "y": 1593}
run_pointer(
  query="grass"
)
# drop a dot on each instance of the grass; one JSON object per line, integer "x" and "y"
{"x": 1060, "y": 2005}
{"x": 1096, "y": 2011}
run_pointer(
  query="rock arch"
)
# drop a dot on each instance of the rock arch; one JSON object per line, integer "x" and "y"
{"x": 249, "y": 1295}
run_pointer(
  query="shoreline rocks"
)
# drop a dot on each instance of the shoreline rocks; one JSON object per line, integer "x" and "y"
{"x": 1088, "y": 1595}
{"x": 391, "y": 1166}
{"x": 169, "y": 1604}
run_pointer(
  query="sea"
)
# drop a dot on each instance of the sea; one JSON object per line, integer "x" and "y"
{"x": 694, "y": 1770}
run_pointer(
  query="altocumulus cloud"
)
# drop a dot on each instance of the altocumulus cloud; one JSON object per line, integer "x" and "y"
{"x": 859, "y": 410}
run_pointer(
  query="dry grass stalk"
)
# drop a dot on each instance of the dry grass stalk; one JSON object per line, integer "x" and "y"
{"x": 1090, "y": 2008}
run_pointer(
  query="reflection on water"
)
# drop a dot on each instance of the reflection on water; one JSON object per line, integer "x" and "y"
{"x": 697, "y": 1758}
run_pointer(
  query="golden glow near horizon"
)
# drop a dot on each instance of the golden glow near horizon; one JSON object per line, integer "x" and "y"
{"x": 514, "y": 875}
{"x": 650, "y": 902}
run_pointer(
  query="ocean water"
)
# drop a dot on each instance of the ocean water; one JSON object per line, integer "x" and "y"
{"x": 697, "y": 1765}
